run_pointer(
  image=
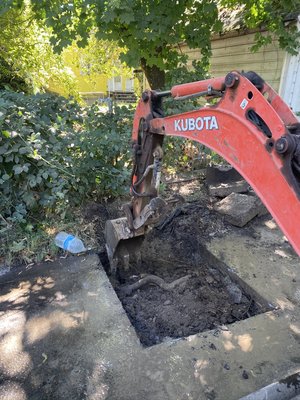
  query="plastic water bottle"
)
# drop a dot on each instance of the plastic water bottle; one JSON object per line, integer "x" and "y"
{"x": 69, "y": 242}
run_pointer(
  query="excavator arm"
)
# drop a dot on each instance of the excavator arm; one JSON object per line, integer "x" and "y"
{"x": 250, "y": 127}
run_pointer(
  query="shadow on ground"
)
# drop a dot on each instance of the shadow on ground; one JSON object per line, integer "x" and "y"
{"x": 46, "y": 337}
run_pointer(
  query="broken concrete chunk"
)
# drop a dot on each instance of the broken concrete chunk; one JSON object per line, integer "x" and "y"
{"x": 225, "y": 189}
{"x": 238, "y": 209}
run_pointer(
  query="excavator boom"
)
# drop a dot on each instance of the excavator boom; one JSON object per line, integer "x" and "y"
{"x": 250, "y": 126}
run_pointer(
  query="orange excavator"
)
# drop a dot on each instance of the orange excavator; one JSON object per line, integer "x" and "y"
{"x": 248, "y": 124}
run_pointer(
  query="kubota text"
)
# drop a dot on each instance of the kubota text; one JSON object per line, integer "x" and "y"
{"x": 192, "y": 124}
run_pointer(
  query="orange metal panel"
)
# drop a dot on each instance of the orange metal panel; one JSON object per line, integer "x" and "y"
{"x": 195, "y": 87}
{"x": 226, "y": 129}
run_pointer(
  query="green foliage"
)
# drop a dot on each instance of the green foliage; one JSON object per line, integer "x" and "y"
{"x": 54, "y": 154}
{"x": 27, "y": 60}
{"x": 183, "y": 74}
{"x": 105, "y": 151}
{"x": 151, "y": 31}
{"x": 148, "y": 30}
{"x": 10, "y": 78}
{"x": 97, "y": 57}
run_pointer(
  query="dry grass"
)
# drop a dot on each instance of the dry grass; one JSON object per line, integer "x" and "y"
{"x": 33, "y": 243}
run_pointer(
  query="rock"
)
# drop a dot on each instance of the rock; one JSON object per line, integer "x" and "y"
{"x": 238, "y": 209}
{"x": 245, "y": 374}
{"x": 209, "y": 280}
{"x": 167, "y": 302}
{"x": 235, "y": 293}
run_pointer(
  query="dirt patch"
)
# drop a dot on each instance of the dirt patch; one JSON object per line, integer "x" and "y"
{"x": 179, "y": 300}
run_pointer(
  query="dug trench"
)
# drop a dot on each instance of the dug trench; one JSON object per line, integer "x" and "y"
{"x": 180, "y": 288}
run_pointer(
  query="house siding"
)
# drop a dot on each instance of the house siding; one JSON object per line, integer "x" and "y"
{"x": 233, "y": 53}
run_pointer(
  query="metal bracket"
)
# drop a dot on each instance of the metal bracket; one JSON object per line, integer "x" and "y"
{"x": 150, "y": 213}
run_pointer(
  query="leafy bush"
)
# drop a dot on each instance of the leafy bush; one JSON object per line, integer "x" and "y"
{"x": 53, "y": 154}
{"x": 105, "y": 150}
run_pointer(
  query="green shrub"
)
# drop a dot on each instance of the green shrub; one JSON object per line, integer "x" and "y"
{"x": 54, "y": 154}
{"x": 105, "y": 162}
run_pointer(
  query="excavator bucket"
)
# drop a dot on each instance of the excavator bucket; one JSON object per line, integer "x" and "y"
{"x": 122, "y": 243}
{"x": 124, "y": 236}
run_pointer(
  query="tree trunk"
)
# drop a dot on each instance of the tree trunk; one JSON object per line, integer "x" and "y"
{"x": 154, "y": 75}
